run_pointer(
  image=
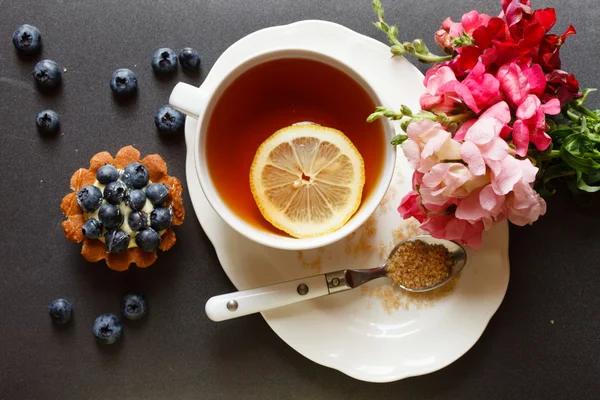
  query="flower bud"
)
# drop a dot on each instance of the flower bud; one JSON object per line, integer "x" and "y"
{"x": 444, "y": 40}
{"x": 404, "y": 124}
{"x": 397, "y": 50}
{"x": 420, "y": 46}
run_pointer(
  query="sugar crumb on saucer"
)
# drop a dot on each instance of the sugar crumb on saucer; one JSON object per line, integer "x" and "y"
{"x": 359, "y": 242}
{"x": 407, "y": 230}
{"x": 393, "y": 298}
{"x": 315, "y": 265}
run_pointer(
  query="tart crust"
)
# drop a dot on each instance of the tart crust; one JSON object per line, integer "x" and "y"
{"x": 94, "y": 250}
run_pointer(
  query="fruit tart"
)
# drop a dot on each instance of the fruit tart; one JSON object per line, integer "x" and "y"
{"x": 123, "y": 209}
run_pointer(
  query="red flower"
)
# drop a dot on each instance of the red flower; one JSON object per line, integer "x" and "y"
{"x": 561, "y": 85}
{"x": 548, "y": 56}
{"x": 495, "y": 30}
{"x": 496, "y": 43}
{"x": 513, "y": 11}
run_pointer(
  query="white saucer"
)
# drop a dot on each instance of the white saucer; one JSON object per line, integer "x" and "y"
{"x": 352, "y": 331}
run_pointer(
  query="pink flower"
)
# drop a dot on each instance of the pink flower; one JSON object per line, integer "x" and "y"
{"x": 531, "y": 124}
{"x": 452, "y": 228}
{"x": 508, "y": 172}
{"x": 411, "y": 206}
{"x": 469, "y": 22}
{"x": 483, "y": 86}
{"x": 524, "y": 205}
{"x": 445, "y": 93}
{"x": 443, "y": 182}
{"x": 483, "y": 205}
{"x": 473, "y": 20}
{"x": 428, "y": 144}
{"x": 482, "y": 142}
{"x": 518, "y": 82}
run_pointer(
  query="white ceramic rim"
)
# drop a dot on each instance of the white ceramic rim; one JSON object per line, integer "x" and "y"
{"x": 260, "y": 236}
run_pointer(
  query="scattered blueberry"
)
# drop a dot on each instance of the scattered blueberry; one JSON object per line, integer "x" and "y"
{"x": 134, "y": 306}
{"x": 108, "y": 328}
{"x": 27, "y": 39}
{"x": 123, "y": 82}
{"x": 89, "y": 198}
{"x": 107, "y": 174}
{"x": 160, "y": 218}
{"x": 47, "y": 121}
{"x": 47, "y": 74}
{"x": 115, "y": 192}
{"x": 157, "y": 193}
{"x": 147, "y": 240}
{"x": 189, "y": 58}
{"x": 136, "y": 199}
{"x": 60, "y": 311}
{"x": 92, "y": 228}
{"x": 169, "y": 121}
{"x": 137, "y": 220}
{"x": 135, "y": 175}
{"x": 164, "y": 61}
{"x": 110, "y": 216}
{"x": 117, "y": 241}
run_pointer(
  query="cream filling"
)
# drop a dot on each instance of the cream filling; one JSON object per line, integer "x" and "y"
{"x": 125, "y": 211}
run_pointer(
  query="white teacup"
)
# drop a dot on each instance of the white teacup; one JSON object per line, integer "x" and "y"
{"x": 199, "y": 104}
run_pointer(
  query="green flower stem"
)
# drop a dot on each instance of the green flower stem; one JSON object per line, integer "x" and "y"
{"x": 561, "y": 175}
{"x": 566, "y": 173}
{"x": 552, "y": 155}
{"x": 417, "y": 48}
{"x": 458, "y": 117}
{"x": 432, "y": 58}
{"x": 584, "y": 111}
{"x": 572, "y": 116}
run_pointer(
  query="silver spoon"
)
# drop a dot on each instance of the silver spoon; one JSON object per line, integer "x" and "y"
{"x": 237, "y": 304}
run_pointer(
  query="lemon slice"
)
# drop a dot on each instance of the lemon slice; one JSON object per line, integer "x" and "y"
{"x": 307, "y": 180}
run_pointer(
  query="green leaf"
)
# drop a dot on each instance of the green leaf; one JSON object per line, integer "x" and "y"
{"x": 570, "y": 154}
{"x": 561, "y": 131}
{"x": 542, "y": 189}
{"x": 399, "y": 139}
{"x": 557, "y": 171}
{"x": 581, "y": 185}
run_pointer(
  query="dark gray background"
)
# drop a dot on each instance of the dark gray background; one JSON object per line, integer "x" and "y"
{"x": 177, "y": 353}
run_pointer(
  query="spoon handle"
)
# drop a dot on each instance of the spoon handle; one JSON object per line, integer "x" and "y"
{"x": 237, "y": 304}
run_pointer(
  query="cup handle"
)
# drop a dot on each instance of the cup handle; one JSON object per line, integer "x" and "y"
{"x": 188, "y": 99}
